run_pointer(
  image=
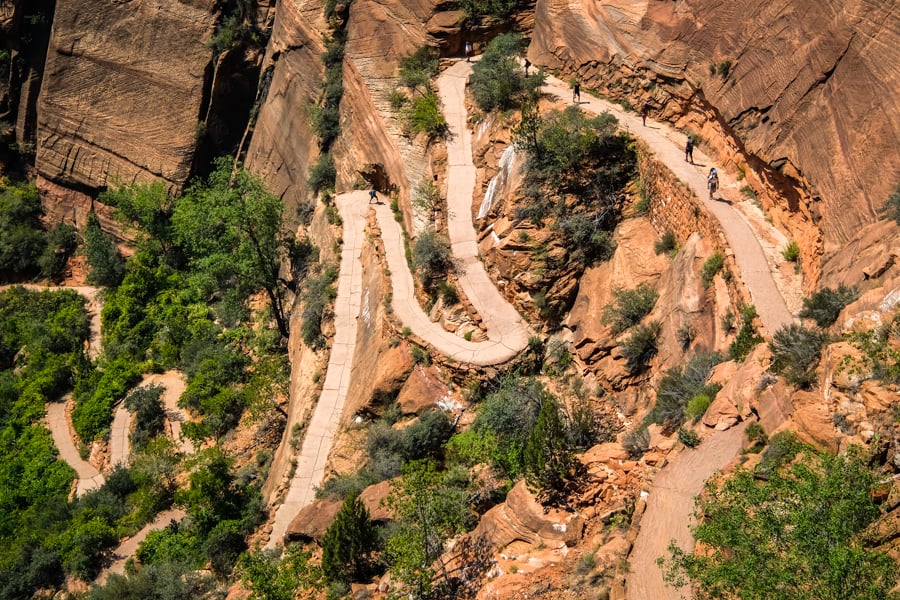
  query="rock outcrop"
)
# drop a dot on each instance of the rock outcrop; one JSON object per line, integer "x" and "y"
{"x": 806, "y": 92}
{"x": 124, "y": 91}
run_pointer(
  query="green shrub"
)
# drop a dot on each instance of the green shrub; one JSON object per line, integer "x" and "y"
{"x": 418, "y": 68}
{"x": 891, "y": 209}
{"x": 791, "y": 252}
{"x": 323, "y": 174}
{"x": 107, "y": 267}
{"x": 348, "y": 542}
{"x": 826, "y": 305}
{"x": 149, "y": 416}
{"x": 317, "y": 295}
{"x": 795, "y": 353}
{"x": 685, "y": 335}
{"x": 799, "y": 531}
{"x": 62, "y": 241}
{"x": 679, "y": 386}
{"x": 629, "y": 307}
{"x": 497, "y": 9}
{"x": 431, "y": 257}
{"x": 696, "y": 407}
{"x": 711, "y": 268}
{"x": 666, "y": 244}
{"x": 636, "y": 442}
{"x": 164, "y": 581}
{"x": 549, "y": 456}
{"x": 448, "y": 293}
{"x": 584, "y": 238}
{"x": 688, "y": 437}
{"x": 757, "y": 435}
{"x": 640, "y": 346}
{"x": 22, "y": 241}
{"x": 423, "y": 115}
{"x": 747, "y": 338}
{"x": 881, "y": 350}
{"x": 497, "y": 81}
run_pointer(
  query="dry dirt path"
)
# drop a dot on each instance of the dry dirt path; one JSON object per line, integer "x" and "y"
{"x": 667, "y": 145}
{"x": 669, "y": 512}
{"x": 127, "y": 548}
{"x": 326, "y": 417}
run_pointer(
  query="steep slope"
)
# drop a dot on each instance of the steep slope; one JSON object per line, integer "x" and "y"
{"x": 123, "y": 91}
{"x": 806, "y": 91}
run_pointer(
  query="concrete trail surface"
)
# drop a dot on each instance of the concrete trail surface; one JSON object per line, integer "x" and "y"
{"x": 326, "y": 417}
{"x": 749, "y": 256}
{"x": 669, "y": 513}
{"x": 506, "y": 330}
{"x": 126, "y": 549}
{"x": 89, "y": 478}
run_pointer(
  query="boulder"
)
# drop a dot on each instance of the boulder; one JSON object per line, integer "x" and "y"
{"x": 721, "y": 414}
{"x": 813, "y": 421}
{"x": 423, "y": 390}
{"x": 521, "y": 518}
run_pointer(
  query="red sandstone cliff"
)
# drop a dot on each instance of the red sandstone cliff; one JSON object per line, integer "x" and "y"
{"x": 806, "y": 91}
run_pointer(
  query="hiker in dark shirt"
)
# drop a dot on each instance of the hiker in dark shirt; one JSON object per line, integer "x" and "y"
{"x": 689, "y": 150}
{"x": 576, "y": 93}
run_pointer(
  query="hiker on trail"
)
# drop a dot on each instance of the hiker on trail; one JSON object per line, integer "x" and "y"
{"x": 373, "y": 197}
{"x": 527, "y": 66}
{"x": 689, "y": 150}
{"x": 712, "y": 182}
{"x": 576, "y": 93}
{"x": 468, "y": 51}
{"x": 645, "y": 110}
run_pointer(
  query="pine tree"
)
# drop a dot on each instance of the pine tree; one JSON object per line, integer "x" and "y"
{"x": 348, "y": 542}
{"x": 548, "y": 453}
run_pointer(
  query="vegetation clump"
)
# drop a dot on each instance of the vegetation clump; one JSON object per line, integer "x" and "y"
{"x": 629, "y": 307}
{"x": 498, "y": 81}
{"x": 682, "y": 385}
{"x": 800, "y": 532}
{"x": 747, "y": 338}
{"x": 795, "y": 353}
{"x": 711, "y": 268}
{"x": 418, "y": 104}
{"x": 825, "y": 305}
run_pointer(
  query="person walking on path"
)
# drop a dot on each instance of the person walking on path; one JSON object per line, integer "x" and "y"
{"x": 468, "y": 51}
{"x": 712, "y": 182}
{"x": 645, "y": 110}
{"x": 373, "y": 196}
{"x": 527, "y": 66}
{"x": 576, "y": 93}
{"x": 689, "y": 150}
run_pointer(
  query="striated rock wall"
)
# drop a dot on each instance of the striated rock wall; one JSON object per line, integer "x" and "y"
{"x": 804, "y": 93}
{"x": 283, "y": 145}
{"x": 123, "y": 92}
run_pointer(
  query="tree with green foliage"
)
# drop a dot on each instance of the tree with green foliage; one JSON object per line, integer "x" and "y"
{"x": 429, "y": 506}
{"x": 476, "y": 10}
{"x": 230, "y": 228}
{"x": 498, "y": 82}
{"x": 22, "y": 241}
{"x": 798, "y": 534}
{"x": 679, "y": 386}
{"x": 348, "y": 542}
{"x": 549, "y": 456}
{"x": 163, "y": 581}
{"x": 149, "y": 416}
{"x": 62, "y": 241}
{"x": 269, "y": 578}
{"x": 107, "y": 266}
{"x": 432, "y": 257}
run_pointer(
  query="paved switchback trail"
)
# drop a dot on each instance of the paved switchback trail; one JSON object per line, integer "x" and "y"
{"x": 668, "y": 147}
{"x": 506, "y": 330}
{"x": 670, "y": 504}
{"x": 326, "y": 417}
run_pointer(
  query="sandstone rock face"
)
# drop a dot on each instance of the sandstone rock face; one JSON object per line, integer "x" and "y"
{"x": 283, "y": 145}
{"x": 522, "y": 519}
{"x": 424, "y": 390}
{"x": 808, "y": 89}
{"x": 123, "y": 91}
